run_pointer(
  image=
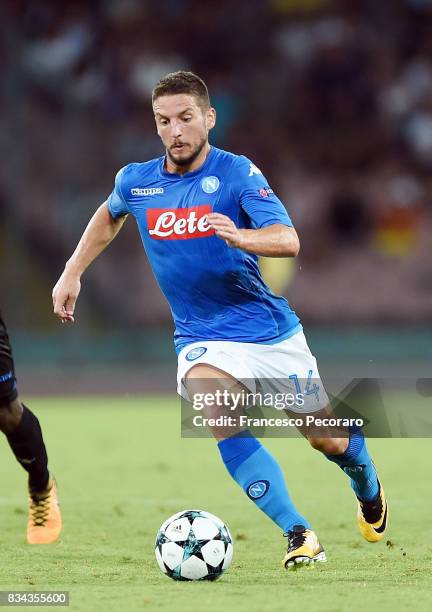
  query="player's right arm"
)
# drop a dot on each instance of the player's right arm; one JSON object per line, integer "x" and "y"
{"x": 100, "y": 231}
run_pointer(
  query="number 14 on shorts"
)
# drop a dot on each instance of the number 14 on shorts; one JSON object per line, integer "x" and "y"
{"x": 311, "y": 388}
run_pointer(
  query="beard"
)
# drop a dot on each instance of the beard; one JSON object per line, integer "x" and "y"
{"x": 187, "y": 161}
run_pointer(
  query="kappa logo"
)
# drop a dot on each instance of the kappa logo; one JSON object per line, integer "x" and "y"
{"x": 254, "y": 170}
{"x": 258, "y": 489}
{"x": 146, "y": 191}
{"x": 196, "y": 352}
{"x": 179, "y": 223}
{"x": 210, "y": 184}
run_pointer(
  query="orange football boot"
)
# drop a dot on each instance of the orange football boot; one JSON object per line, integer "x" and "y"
{"x": 44, "y": 519}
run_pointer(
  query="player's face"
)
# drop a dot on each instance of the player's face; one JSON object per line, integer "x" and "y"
{"x": 183, "y": 126}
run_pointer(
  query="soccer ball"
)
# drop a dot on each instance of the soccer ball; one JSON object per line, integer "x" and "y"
{"x": 193, "y": 545}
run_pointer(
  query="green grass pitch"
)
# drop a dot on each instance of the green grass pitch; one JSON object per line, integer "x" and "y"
{"x": 122, "y": 468}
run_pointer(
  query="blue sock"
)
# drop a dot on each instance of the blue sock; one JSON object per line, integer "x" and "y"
{"x": 260, "y": 476}
{"x": 357, "y": 464}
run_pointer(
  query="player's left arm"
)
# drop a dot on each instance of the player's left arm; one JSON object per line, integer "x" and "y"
{"x": 273, "y": 234}
{"x": 276, "y": 240}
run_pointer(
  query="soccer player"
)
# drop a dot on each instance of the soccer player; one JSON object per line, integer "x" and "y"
{"x": 23, "y": 432}
{"x": 205, "y": 215}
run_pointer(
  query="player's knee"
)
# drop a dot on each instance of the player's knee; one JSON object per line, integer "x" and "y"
{"x": 329, "y": 446}
{"x": 10, "y": 415}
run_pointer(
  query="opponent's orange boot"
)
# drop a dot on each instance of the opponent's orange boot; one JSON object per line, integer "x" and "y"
{"x": 44, "y": 518}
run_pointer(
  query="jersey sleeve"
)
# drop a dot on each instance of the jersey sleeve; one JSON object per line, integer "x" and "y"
{"x": 116, "y": 202}
{"x": 250, "y": 187}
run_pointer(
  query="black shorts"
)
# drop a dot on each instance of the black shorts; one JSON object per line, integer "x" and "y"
{"x": 8, "y": 390}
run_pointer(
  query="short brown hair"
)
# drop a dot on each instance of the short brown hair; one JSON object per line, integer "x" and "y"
{"x": 182, "y": 82}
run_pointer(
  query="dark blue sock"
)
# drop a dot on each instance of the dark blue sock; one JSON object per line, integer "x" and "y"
{"x": 259, "y": 475}
{"x": 357, "y": 464}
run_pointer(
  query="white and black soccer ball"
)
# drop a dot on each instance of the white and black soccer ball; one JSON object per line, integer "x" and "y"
{"x": 193, "y": 545}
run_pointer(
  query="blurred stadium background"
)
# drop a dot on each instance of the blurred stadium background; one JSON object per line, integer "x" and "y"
{"x": 332, "y": 99}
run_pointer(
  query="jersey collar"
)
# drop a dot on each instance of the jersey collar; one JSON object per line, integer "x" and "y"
{"x": 196, "y": 172}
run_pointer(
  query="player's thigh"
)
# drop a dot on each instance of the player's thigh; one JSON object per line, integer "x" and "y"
{"x": 216, "y": 390}
{"x": 292, "y": 372}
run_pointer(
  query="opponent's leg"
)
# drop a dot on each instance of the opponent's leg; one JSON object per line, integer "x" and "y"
{"x": 257, "y": 472}
{"x": 24, "y": 434}
{"x": 351, "y": 454}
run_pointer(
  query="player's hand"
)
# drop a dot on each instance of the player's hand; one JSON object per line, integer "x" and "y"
{"x": 226, "y": 229}
{"x": 65, "y": 295}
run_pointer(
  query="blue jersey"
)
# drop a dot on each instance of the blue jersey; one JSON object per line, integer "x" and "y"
{"x": 215, "y": 292}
